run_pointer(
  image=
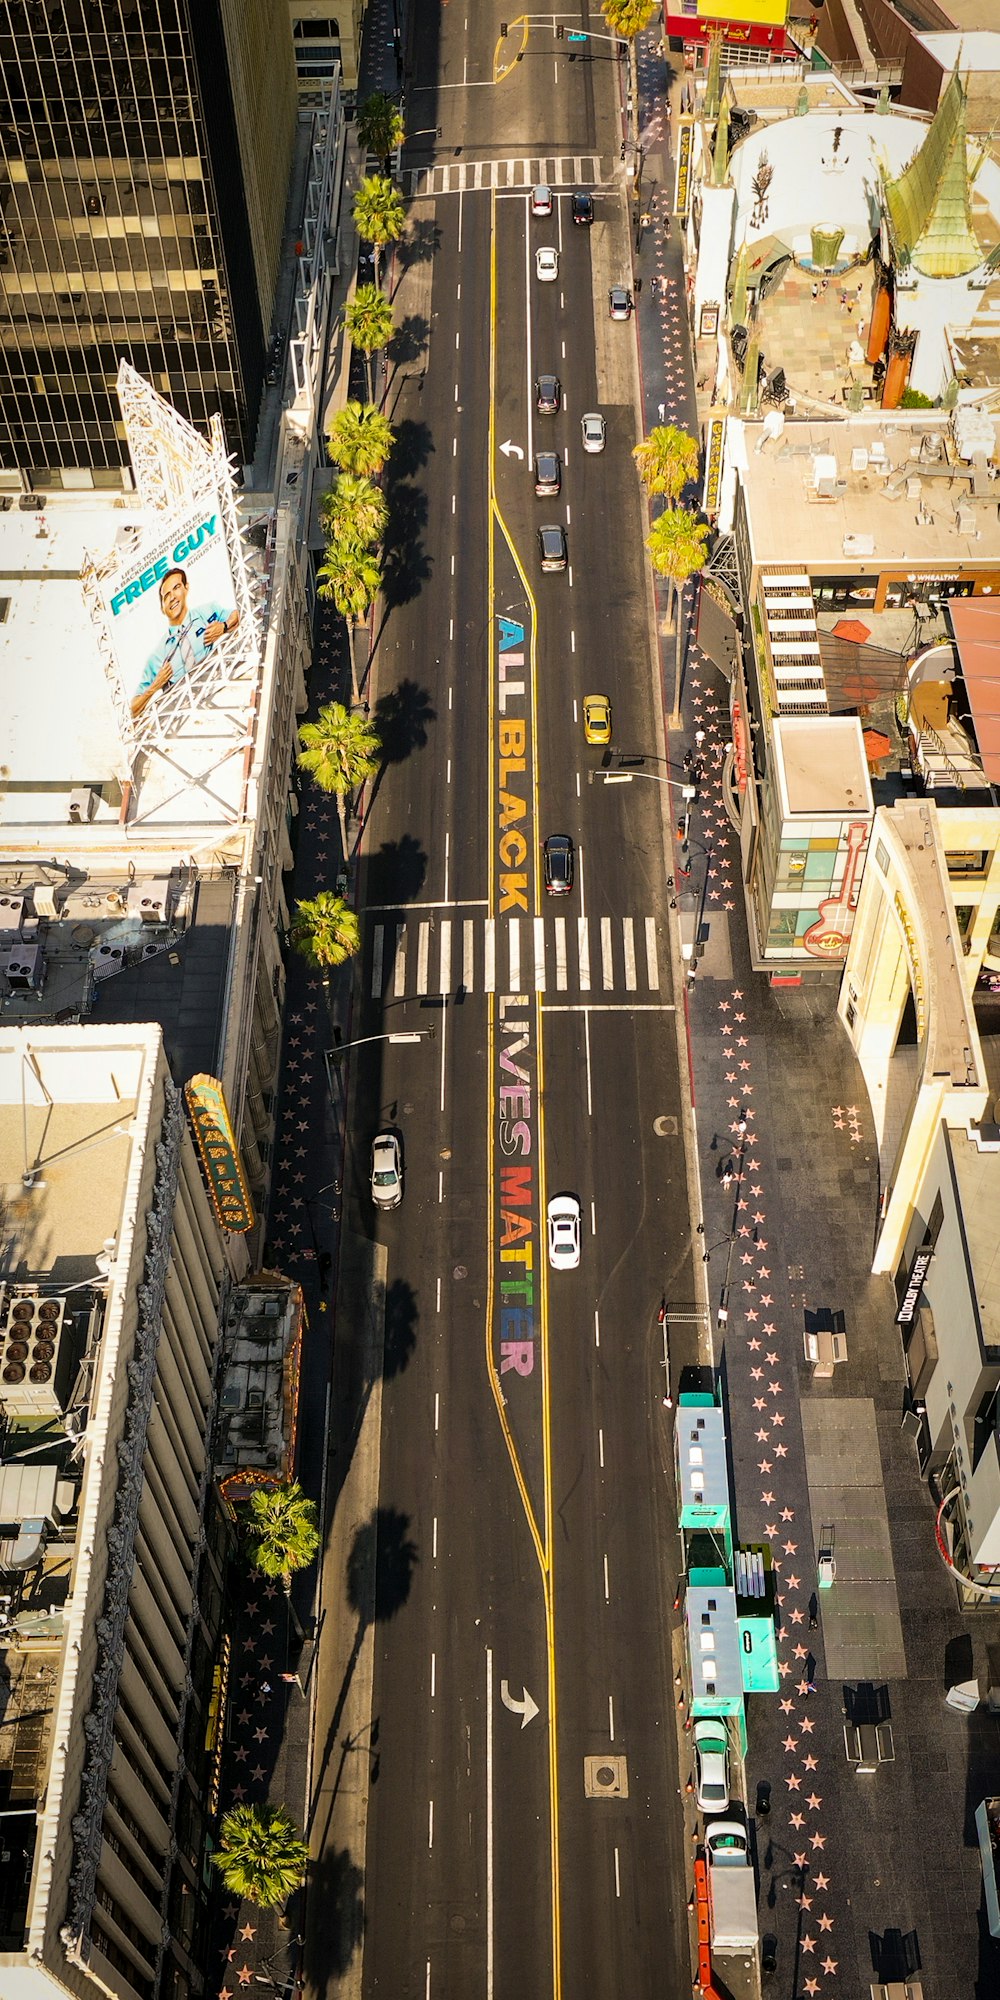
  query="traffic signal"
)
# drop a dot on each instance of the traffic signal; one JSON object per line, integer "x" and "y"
{"x": 560, "y": 34}
{"x": 503, "y": 31}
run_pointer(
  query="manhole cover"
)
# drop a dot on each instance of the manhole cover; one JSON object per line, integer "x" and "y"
{"x": 460, "y": 1271}
{"x": 605, "y": 1777}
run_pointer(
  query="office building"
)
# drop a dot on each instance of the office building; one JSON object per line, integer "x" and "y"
{"x": 145, "y": 153}
{"x": 111, "y": 1643}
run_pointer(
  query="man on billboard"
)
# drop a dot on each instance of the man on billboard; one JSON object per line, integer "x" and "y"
{"x": 191, "y": 633}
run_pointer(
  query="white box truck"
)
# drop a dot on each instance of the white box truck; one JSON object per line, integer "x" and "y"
{"x": 732, "y": 1888}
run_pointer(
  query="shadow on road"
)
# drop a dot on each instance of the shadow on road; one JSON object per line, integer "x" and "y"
{"x": 395, "y": 873}
{"x": 336, "y": 1885}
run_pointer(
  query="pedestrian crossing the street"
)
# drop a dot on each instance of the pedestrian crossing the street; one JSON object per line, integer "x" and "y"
{"x": 436, "y": 955}
{"x": 582, "y": 170}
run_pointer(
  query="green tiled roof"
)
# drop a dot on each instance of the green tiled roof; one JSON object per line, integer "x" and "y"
{"x": 929, "y": 204}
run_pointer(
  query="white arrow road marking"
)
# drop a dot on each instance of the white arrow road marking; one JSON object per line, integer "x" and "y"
{"x": 526, "y": 1708}
{"x": 511, "y": 450}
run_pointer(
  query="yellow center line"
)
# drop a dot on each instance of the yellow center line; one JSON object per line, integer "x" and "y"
{"x": 500, "y": 74}
{"x": 544, "y": 1541}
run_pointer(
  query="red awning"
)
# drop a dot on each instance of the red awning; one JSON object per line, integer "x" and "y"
{"x": 975, "y": 622}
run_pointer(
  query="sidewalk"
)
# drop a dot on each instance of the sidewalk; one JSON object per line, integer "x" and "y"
{"x": 272, "y": 1748}
{"x": 845, "y": 1875}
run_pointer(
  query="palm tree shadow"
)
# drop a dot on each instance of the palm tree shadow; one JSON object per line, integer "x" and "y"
{"x": 409, "y": 341}
{"x": 411, "y": 447}
{"x": 396, "y": 872}
{"x": 401, "y": 717}
{"x": 379, "y": 1576}
{"x": 416, "y": 247}
{"x": 336, "y": 1890}
{"x": 405, "y": 562}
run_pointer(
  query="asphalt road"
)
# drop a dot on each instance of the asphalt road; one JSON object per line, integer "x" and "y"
{"x": 528, "y": 1537}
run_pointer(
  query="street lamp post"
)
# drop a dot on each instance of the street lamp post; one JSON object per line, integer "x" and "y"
{"x": 722, "y": 1315}
{"x": 330, "y": 1056}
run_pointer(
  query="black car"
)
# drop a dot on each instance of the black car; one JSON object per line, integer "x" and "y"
{"x": 548, "y": 394}
{"x": 552, "y": 547}
{"x": 582, "y": 208}
{"x": 548, "y": 472}
{"x": 557, "y": 864}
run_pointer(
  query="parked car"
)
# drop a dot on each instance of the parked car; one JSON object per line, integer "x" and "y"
{"x": 548, "y": 473}
{"x": 387, "y": 1170}
{"x": 619, "y": 302}
{"x": 546, "y": 264}
{"x": 548, "y": 394}
{"x": 557, "y": 864}
{"x": 711, "y": 1758}
{"x": 552, "y": 547}
{"x": 594, "y": 431}
{"x": 582, "y": 208}
{"x": 563, "y": 1216}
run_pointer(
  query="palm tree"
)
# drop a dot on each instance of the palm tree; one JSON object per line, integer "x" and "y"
{"x": 370, "y": 324}
{"x": 340, "y": 750}
{"x": 260, "y": 1855}
{"x": 326, "y": 931}
{"x": 352, "y": 576}
{"x": 667, "y": 459}
{"x": 280, "y": 1521}
{"x": 380, "y": 126}
{"x": 379, "y": 215}
{"x": 676, "y": 544}
{"x": 360, "y": 438}
{"x": 354, "y": 512}
{"x": 628, "y": 17}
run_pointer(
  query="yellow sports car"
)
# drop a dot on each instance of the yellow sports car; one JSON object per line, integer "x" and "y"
{"x": 597, "y": 718}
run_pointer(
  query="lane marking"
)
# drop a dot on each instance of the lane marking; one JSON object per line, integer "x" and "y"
{"x": 433, "y": 1674}
{"x": 430, "y": 1823}
{"x": 423, "y": 953}
{"x": 618, "y": 1878}
{"x": 439, "y": 1295}
{"x": 597, "y": 1328}
{"x": 489, "y": 1824}
{"x": 586, "y": 1045}
{"x": 607, "y": 962}
{"x": 444, "y": 977}
{"x": 468, "y": 954}
{"x": 600, "y": 1448}
{"x": 490, "y": 965}
{"x": 583, "y": 952}
{"x": 611, "y": 1707}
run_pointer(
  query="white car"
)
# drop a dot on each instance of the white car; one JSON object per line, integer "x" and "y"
{"x": 546, "y": 264}
{"x": 387, "y": 1171}
{"x": 594, "y": 431}
{"x": 564, "y": 1232}
{"x": 711, "y": 1757}
{"x": 541, "y": 200}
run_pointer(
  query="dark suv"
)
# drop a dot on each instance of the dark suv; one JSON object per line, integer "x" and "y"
{"x": 557, "y": 864}
{"x": 548, "y": 472}
{"x": 582, "y": 208}
{"x": 552, "y": 547}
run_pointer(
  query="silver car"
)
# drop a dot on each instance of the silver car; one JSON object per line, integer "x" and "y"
{"x": 711, "y": 1757}
{"x": 594, "y": 431}
{"x": 387, "y": 1170}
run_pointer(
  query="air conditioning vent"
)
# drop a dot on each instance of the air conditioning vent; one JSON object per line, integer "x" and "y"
{"x": 36, "y": 1352}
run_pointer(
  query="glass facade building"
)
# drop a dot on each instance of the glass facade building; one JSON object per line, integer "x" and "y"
{"x": 145, "y": 152}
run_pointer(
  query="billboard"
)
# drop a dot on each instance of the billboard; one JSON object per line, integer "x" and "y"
{"x": 170, "y": 603}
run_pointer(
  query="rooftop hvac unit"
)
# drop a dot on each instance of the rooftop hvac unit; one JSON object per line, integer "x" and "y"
{"x": 859, "y": 545}
{"x": 25, "y": 968}
{"x": 11, "y": 918}
{"x": 965, "y": 520}
{"x": 825, "y": 475}
{"x": 80, "y": 806}
{"x": 150, "y": 900}
{"x": 43, "y": 897}
{"x": 36, "y": 1352}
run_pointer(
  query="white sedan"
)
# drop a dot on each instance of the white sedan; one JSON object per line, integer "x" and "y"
{"x": 546, "y": 264}
{"x": 711, "y": 1756}
{"x": 564, "y": 1232}
{"x": 387, "y": 1170}
{"x": 594, "y": 432}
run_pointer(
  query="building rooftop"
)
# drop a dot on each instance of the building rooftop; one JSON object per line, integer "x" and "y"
{"x": 821, "y": 766}
{"x": 978, "y": 1175}
{"x": 973, "y": 49}
{"x": 870, "y": 488}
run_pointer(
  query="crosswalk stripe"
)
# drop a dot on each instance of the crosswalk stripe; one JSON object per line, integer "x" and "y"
{"x": 560, "y": 954}
{"x": 466, "y": 176}
{"x": 652, "y": 967}
{"x": 629, "y": 941}
{"x": 535, "y": 957}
